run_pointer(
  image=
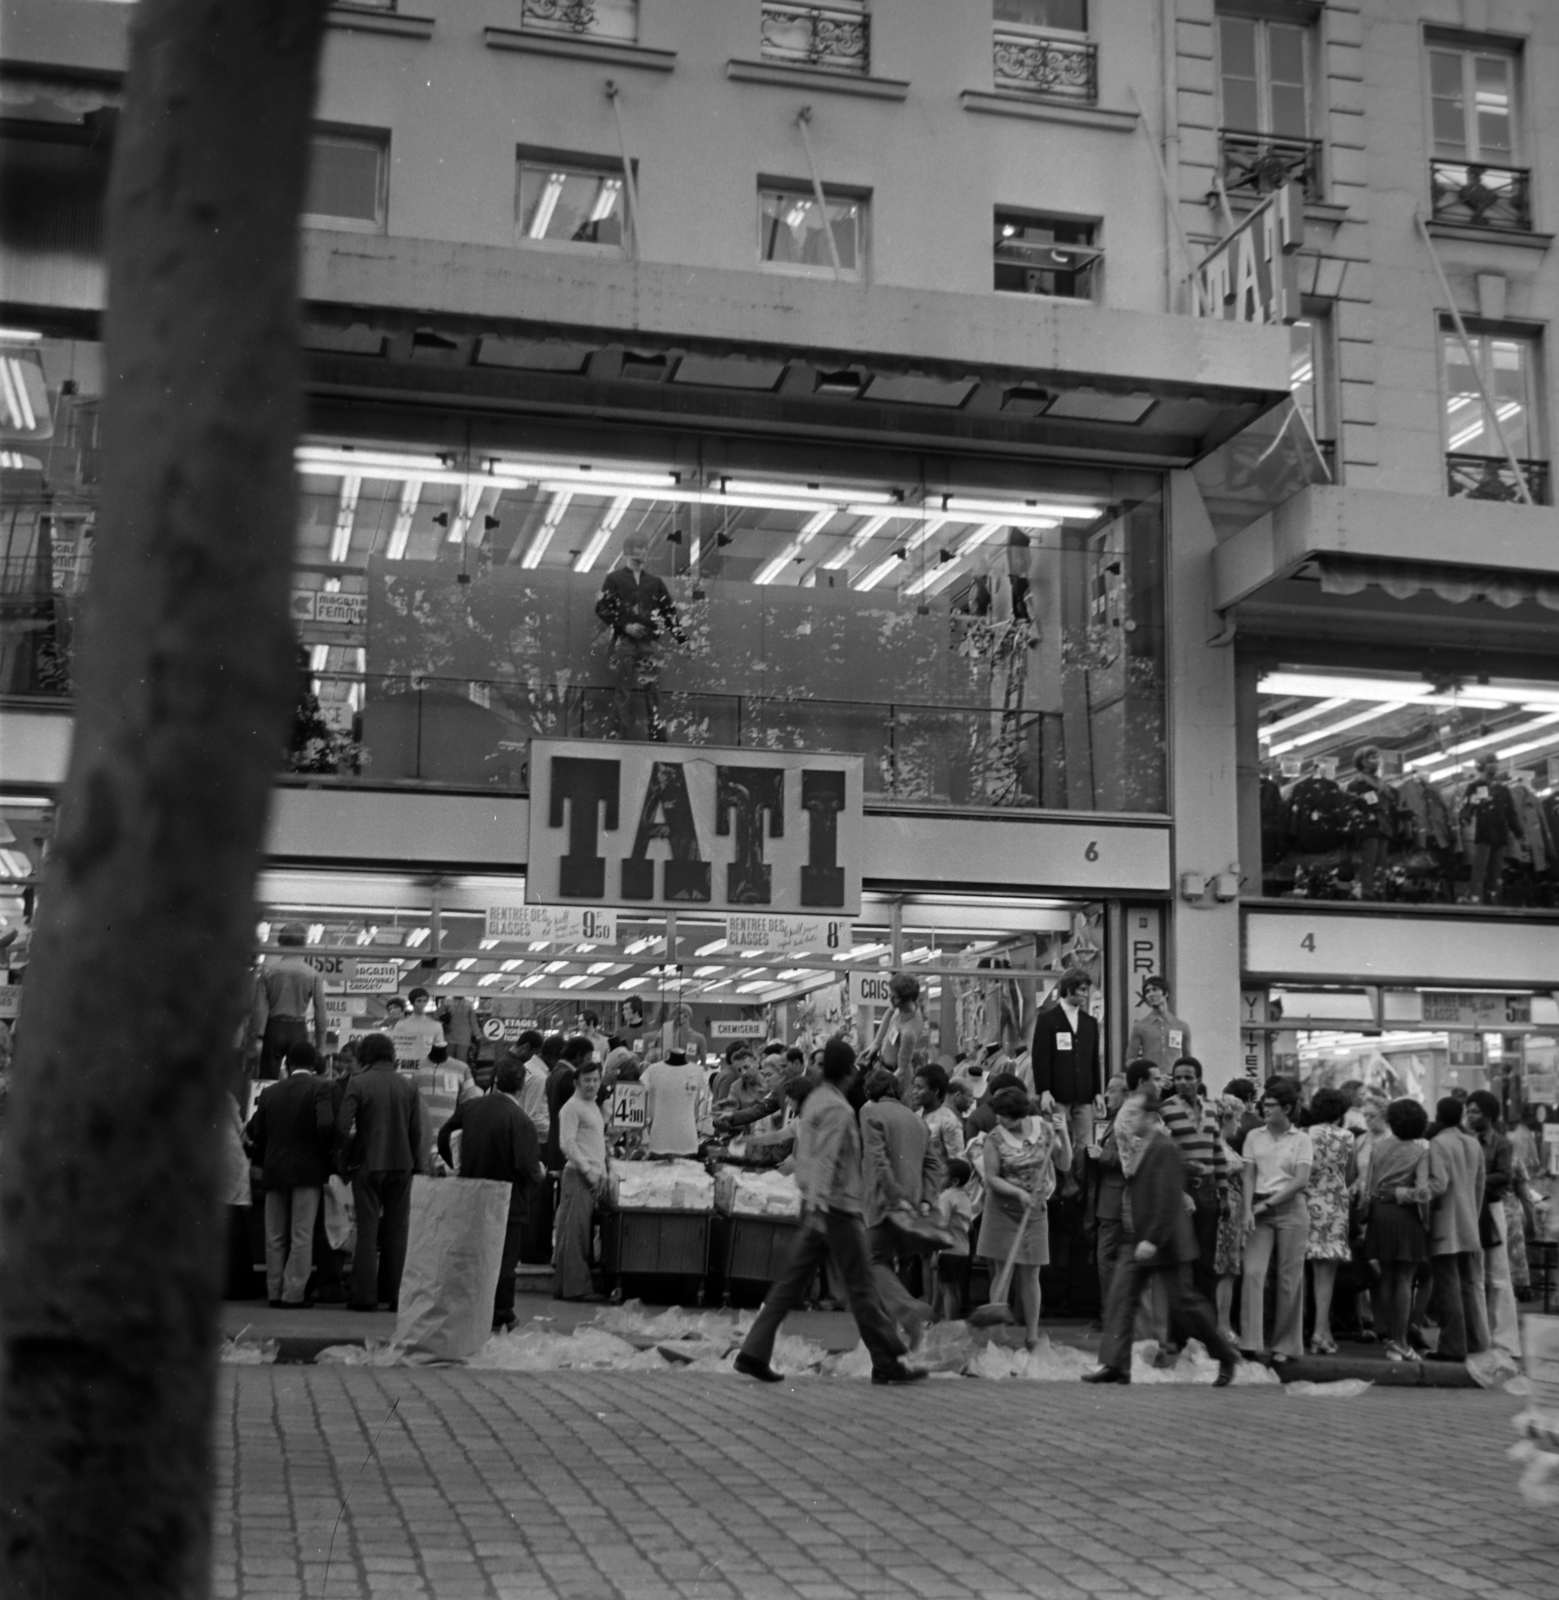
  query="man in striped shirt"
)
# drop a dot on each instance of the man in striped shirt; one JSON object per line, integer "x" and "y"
{"x": 1193, "y": 1124}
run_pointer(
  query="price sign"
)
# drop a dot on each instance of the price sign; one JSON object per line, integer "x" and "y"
{"x": 10, "y": 1002}
{"x": 785, "y": 935}
{"x": 559, "y": 924}
{"x": 630, "y": 1105}
{"x": 373, "y": 977}
{"x": 1476, "y": 1009}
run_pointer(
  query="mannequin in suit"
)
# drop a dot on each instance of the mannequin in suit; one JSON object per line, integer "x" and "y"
{"x": 1066, "y": 1056}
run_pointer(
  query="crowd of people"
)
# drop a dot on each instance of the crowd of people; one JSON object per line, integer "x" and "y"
{"x": 1251, "y": 1220}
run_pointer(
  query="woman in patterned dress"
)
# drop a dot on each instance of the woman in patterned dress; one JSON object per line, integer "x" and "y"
{"x": 1327, "y": 1198}
{"x": 1021, "y": 1157}
{"x": 1229, "y": 1253}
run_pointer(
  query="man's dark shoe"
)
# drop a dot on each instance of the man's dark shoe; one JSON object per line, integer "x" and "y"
{"x": 899, "y": 1373}
{"x": 752, "y": 1367}
{"x": 1107, "y": 1375}
{"x": 1225, "y": 1375}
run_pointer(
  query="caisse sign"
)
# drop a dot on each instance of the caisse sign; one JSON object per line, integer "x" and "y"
{"x": 870, "y": 989}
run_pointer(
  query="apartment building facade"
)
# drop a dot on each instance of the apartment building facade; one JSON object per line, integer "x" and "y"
{"x": 1039, "y": 418}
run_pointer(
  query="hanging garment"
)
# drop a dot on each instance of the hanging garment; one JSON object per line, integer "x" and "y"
{"x": 1426, "y": 807}
{"x": 1318, "y": 815}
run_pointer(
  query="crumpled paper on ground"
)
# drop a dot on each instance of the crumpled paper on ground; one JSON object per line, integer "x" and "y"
{"x": 1336, "y": 1389}
{"x": 1539, "y": 1482}
{"x": 240, "y": 1351}
{"x": 376, "y": 1353}
{"x": 1490, "y": 1367}
{"x": 1192, "y": 1365}
{"x": 672, "y": 1323}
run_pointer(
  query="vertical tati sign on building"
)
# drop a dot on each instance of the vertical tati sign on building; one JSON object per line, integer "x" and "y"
{"x": 1253, "y": 274}
{"x": 673, "y": 826}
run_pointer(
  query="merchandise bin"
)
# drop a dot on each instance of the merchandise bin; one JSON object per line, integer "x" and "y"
{"x": 755, "y": 1249}
{"x": 655, "y": 1244}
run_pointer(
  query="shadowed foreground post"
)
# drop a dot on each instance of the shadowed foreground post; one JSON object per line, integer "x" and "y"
{"x": 110, "y": 1232}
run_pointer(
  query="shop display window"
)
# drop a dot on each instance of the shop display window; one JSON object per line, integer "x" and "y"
{"x": 981, "y": 634}
{"x": 1397, "y": 786}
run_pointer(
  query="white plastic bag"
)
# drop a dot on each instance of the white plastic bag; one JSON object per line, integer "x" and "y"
{"x": 452, "y": 1259}
{"x": 340, "y": 1213}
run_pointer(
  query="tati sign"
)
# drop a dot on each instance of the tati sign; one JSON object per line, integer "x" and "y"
{"x": 1253, "y": 275}
{"x": 558, "y": 924}
{"x": 667, "y": 826}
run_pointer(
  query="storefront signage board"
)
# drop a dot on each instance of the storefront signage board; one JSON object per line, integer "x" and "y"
{"x": 503, "y": 1029}
{"x": 870, "y": 989}
{"x": 318, "y": 605}
{"x": 556, "y": 924}
{"x": 674, "y": 827}
{"x": 1253, "y": 274}
{"x": 790, "y": 935}
{"x": 1358, "y": 947}
{"x": 373, "y": 977}
{"x": 724, "y": 1028}
{"x": 1474, "y": 1010}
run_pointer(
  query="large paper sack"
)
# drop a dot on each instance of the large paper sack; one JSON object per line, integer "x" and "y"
{"x": 452, "y": 1258}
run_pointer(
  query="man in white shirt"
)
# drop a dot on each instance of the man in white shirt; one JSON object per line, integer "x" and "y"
{"x": 412, "y": 1031}
{"x": 678, "y": 1105}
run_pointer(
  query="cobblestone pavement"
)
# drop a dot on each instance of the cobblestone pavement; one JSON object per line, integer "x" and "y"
{"x": 672, "y": 1486}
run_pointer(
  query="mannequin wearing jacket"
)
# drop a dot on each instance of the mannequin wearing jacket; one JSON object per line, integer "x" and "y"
{"x": 1065, "y": 1056}
{"x": 1375, "y": 806}
{"x": 1488, "y": 818}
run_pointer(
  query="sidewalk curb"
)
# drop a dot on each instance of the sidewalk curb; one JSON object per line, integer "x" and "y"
{"x": 1383, "y": 1374}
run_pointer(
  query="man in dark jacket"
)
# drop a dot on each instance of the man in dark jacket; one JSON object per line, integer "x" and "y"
{"x": 1066, "y": 1060}
{"x": 638, "y": 608}
{"x": 1166, "y": 1245}
{"x": 380, "y": 1134}
{"x": 289, "y": 1138}
{"x": 498, "y": 1141}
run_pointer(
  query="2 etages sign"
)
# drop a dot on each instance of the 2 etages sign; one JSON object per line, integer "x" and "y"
{"x": 669, "y": 827}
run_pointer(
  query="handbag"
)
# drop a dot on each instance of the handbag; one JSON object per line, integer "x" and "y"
{"x": 340, "y": 1213}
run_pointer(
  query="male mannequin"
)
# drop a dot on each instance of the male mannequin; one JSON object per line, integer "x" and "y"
{"x": 1158, "y": 1035}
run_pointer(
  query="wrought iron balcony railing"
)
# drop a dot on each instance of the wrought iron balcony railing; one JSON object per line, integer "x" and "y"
{"x": 1480, "y": 196}
{"x": 1491, "y": 478}
{"x": 1059, "y": 69}
{"x": 1255, "y": 164}
{"x": 613, "y": 19}
{"x": 835, "y": 38}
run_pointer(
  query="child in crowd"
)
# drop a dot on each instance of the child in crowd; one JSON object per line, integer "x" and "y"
{"x": 954, "y": 1209}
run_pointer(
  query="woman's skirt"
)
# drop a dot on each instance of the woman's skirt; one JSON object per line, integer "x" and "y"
{"x": 1395, "y": 1233}
{"x": 1229, "y": 1252}
{"x": 999, "y": 1226}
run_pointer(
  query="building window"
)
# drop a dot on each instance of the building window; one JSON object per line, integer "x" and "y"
{"x": 791, "y": 234}
{"x": 1477, "y": 466}
{"x": 1038, "y": 47}
{"x": 1046, "y": 255}
{"x": 606, "y": 19}
{"x": 574, "y": 202}
{"x": 1475, "y": 172}
{"x": 1309, "y": 379}
{"x": 348, "y": 181}
{"x": 835, "y": 37}
{"x": 1264, "y": 84}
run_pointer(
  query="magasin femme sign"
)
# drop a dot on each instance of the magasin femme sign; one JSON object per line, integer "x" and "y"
{"x": 685, "y": 826}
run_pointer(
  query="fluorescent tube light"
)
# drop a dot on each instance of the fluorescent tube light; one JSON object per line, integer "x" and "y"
{"x": 549, "y": 526}
{"x": 1322, "y": 708}
{"x": 598, "y": 540}
{"x": 858, "y": 540}
{"x": 710, "y": 948}
{"x": 1383, "y": 708}
{"x": 346, "y": 515}
{"x": 332, "y": 460}
{"x": 411, "y": 492}
{"x": 737, "y": 487}
{"x": 771, "y": 570}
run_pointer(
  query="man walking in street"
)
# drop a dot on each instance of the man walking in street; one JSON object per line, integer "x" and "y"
{"x": 290, "y": 1139}
{"x": 899, "y": 1168}
{"x": 1456, "y": 1184}
{"x": 380, "y": 1139}
{"x": 828, "y": 1174}
{"x": 284, "y": 994}
{"x": 1165, "y": 1248}
{"x": 1499, "y": 1167}
{"x": 498, "y": 1141}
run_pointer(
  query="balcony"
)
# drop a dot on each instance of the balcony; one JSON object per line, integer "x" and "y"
{"x": 1474, "y": 195}
{"x": 604, "y": 19}
{"x": 1254, "y": 164}
{"x": 1040, "y": 64}
{"x": 1490, "y": 478}
{"x": 831, "y": 38}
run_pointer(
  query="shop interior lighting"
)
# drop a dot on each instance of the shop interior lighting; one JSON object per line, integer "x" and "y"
{"x": 814, "y": 526}
{"x": 539, "y": 944}
{"x": 639, "y": 945}
{"x": 531, "y": 981}
{"x": 724, "y": 983}
{"x": 400, "y": 533}
{"x": 858, "y": 541}
{"x": 1510, "y": 752}
{"x": 874, "y": 575}
{"x": 707, "y": 972}
{"x": 262, "y": 932}
{"x": 574, "y": 982}
{"x": 471, "y": 493}
{"x": 488, "y": 944}
{"x": 513, "y": 965}
{"x": 1326, "y": 685}
{"x": 417, "y": 936}
{"x": 334, "y": 461}
{"x": 1322, "y": 708}
{"x": 20, "y": 335}
{"x": 796, "y": 972}
{"x": 583, "y": 949}
{"x": 750, "y": 955}
{"x": 710, "y": 948}
{"x": 582, "y": 475}
{"x": 346, "y": 516}
{"x": 740, "y": 488}
{"x": 1373, "y": 713}
{"x": 596, "y": 968}
{"x": 862, "y": 950}
{"x": 541, "y": 217}
{"x": 1445, "y": 762}
{"x": 599, "y": 540}
{"x": 316, "y": 932}
{"x": 631, "y": 983}
{"x": 751, "y": 988}
{"x": 554, "y": 966}
{"x": 549, "y": 526}
{"x": 465, "y": 963}
{"x": 368, "y": 935}
{"x": 946, "y": 570}
{"x": 487, "y": 980}
{"x": 1024, "y": 513}
{"x": 449, "y": 977}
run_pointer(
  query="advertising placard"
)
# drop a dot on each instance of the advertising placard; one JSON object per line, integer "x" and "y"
{"x": 670, "y": 826}
{"x": 728, "y": 1029}
{"x": 630, "y": 1106}
{"x": 790, "y": 935}
{"x": 559, "y": 924}
{"x": 347, "y": 609}
{"x": 373, "y": 977}
{"x": 1477, "y": 1008}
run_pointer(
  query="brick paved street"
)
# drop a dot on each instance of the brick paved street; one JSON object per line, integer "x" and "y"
{"x": 699, "y": 1487}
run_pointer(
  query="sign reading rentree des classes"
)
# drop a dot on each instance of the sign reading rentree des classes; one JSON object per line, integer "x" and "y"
{"x": 669, "y": 826}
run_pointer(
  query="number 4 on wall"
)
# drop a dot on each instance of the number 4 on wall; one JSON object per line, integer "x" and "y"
{"x": 1308, "y": 943}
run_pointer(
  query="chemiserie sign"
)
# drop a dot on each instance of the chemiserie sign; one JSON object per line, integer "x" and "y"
{"x": 682, "y": 826}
